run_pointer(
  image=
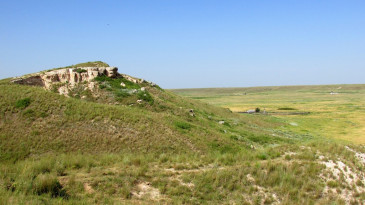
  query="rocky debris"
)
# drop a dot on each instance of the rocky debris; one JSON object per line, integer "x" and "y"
{"x": 339, "y": 171}
{"x": 88, "y": 188}
{"x": 293, "y": 124}
{"x": 360, "y": 156}
{"x": 144, "y": 189}
{"x": 221, "y": 122}
{"x": 290, "y": 153}
{"x": 130, "y": 78}
{"x": 143, "y": 88}
{"x": 191, "y": 113}
{"x": 122, "y": 84}
{"x": 139, "y": 101}
{"x": 32, "y": 80}
{"x": 262, "y": 192}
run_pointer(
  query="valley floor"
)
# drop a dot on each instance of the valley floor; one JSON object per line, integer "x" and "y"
{"x": 336, "y": 111}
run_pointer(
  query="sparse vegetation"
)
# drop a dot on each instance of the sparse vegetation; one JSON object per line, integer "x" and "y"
{"x": 80, "y": 70}
{"x": 81, "y": 65}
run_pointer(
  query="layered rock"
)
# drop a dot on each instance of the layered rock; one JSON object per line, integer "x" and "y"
{"x": 74, "y": 76}
{"x": 67, "y": 78}
{"x": 64, "y": 80}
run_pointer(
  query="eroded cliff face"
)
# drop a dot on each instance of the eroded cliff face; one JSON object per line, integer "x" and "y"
{"x": 68, "y": 81}
{"x": 75, "y": 76}
{"x": 63, "y": 80}
{"x": 69, "y": 75}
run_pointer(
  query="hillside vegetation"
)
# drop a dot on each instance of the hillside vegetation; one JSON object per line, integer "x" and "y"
{"x": 108, "y": 149}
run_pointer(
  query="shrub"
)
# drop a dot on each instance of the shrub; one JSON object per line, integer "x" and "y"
{"x": 121, "y": 93}
{"x": 332, "y": 184}
{"x": 286, "y": 108}
{"x": 80, "y": 70}
{"x": 145, "y": 96}
{"x": 183, "y": 125}
{"x": 102, "y": 86}
{"x": 101, "y": 78}
{"x": 22, "y": 103}
{"x": 48, "y": 183}
{"x": 257, "y": 109}
{"x": 262, "y": 156}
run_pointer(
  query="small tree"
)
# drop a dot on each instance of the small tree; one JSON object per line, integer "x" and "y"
{"x": 257, "y": 109}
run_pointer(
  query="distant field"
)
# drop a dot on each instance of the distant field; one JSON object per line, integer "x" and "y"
{"x": 340, "y": 115}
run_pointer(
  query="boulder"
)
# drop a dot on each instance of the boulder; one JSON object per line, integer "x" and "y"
{"x": 111, "y": 71}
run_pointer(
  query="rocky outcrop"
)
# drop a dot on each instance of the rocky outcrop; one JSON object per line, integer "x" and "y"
{"x": 71, "y": 76}
{"x": 63, "y": 80}
{"x": 78, "y": 75}
{"x": 31, "y": 80}
{"x": 67, "y": 78}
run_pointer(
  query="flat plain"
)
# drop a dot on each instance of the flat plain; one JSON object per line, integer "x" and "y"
{"x": 338, "y": 115}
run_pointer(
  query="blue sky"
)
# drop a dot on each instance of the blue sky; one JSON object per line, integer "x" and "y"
{"x": 186, "y": 44}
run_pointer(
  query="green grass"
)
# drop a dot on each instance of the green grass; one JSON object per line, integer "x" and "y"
{"x": 81, "y": 65}
{"x": 23, "y": 103}
{"x": 60, "y": 150}
{"x": 80, "y": 70}
{"x": 286, "y": 108}
{"x": 334, "y": 116}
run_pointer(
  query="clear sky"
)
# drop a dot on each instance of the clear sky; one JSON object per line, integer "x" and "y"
{"x": 190, "y": 43}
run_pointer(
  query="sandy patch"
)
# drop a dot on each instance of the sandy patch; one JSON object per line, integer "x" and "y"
{"x": 144, "y": 189}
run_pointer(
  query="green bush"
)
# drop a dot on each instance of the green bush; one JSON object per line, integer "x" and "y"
{"x": 80, "y": 70}
{"x": 121, "y": 93}
{"x": 333, "y": 184}
{"x": 183, "y": 125}
{"x": 22, "y": 103}
{"x": 102, "y": 86}
{"x": 48, "y": 184}
{"x": 262, "y": 156}
{"x": 114, "y": 83}
{"x": 145, "y": 96}
{"x": 257, "y": 109}
{"x": 286, "y": 108}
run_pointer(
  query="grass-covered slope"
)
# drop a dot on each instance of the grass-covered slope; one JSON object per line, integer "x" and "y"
{"x": 110, "y": 150}
{"x": 86, "y": 64}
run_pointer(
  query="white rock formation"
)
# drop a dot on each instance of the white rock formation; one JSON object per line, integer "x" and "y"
{"x": 73, "y": 77}
{"x": 68, "y": 78}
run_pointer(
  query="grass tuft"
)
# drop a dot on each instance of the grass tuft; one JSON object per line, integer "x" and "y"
{"x": 23, "y": 103}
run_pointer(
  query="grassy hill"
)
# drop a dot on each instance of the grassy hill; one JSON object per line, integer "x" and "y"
{"x": 108, "y": 150}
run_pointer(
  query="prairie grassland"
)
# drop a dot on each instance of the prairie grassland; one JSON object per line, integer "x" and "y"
{"x": 59, "y": 150}
{"x": 339, "y": 116}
